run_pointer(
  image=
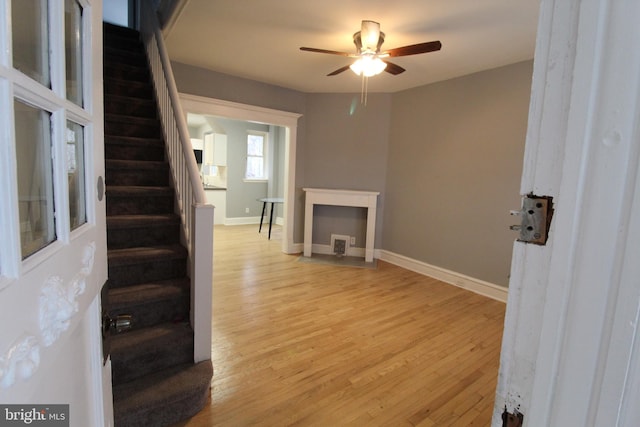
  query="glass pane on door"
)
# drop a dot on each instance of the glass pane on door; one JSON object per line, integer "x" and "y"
{"x": 35, "y": 177}
{"x": 29, "y": 31}
{"x": 73, "y": 50}
{"x": 75, "y": 174}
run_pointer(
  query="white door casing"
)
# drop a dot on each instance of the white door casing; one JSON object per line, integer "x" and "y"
{"x": 570, "y": 353}
{"x": 50, "y": 340}
{"x": 232, "y": 110}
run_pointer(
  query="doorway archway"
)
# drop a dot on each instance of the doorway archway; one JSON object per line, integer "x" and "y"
{"x": 233, "y": 110}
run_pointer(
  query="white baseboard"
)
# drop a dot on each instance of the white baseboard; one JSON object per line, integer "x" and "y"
{"x": 478, "y": 286}
{"x": 244, "y": 220}
{"x": 247, "y": 220}
{"x": 487, "y": 289}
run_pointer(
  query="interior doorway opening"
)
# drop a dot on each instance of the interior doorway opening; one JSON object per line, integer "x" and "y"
{"x": 192, "y": 104}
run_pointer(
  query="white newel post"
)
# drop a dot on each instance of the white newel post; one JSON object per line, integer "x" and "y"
{"x": 202, "y": 281}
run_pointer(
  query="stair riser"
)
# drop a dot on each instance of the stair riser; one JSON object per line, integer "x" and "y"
{"x": 120, "y": 31}
{"x": 138, "y": 205}
{"x": 127, "y": 88}
{"x": 130, "y": 107}
{"x": 122, "y": 151}
{"x": 135, "y": 58}
{"x": 120, "y": 238}
{"x": 145, "y": 272}
{"x": 143, "y": 177}
{"x": 132, "y": 366}
{"x": 155, "y": 312}
{"x": 127, "y": 72}
{"x": 123, "y": 42}
{"x": 138, "y": 130}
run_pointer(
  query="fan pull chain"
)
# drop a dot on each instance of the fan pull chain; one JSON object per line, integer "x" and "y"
{"x": 364, "y": 90}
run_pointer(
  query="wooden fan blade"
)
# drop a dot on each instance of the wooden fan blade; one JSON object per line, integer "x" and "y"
{"x": 393, "y": 68}
{"x": 339, "y": 70}
{"x": 330, "y": 52}
{"x": 415, "y": 49}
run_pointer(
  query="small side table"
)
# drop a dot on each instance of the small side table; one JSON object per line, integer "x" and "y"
{"x": 273, "y": 201}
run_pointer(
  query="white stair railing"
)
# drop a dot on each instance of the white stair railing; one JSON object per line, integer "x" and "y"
{"x": 197, "y": 215}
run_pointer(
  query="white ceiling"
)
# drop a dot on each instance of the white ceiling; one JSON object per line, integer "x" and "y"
{"x": 260, "y": 39}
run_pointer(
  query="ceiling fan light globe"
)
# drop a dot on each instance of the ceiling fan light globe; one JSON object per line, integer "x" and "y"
{"x": 368, "y": 66}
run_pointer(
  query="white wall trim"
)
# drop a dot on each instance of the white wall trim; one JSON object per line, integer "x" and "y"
{"x": 472, "y": 284}
{"x": 245, "y": 220}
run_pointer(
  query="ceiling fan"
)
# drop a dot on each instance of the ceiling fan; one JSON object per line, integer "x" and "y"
{"x": 370, "y": 60}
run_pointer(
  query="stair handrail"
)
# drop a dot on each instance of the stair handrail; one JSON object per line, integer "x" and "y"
{"x": 196, "y": 214}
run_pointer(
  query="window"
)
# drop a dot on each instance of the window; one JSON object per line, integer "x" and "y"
{"x": 73, "y": 48}
{"x": 46, "y": 132}
{"x": 256, "y": 157}
{"x": 35, "y": 177}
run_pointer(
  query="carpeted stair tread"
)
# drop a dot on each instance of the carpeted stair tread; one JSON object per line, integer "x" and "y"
{"x": 129, "y": 72}
{"x": 135, "y": 164}
{"x": 163, "y": 398}
{"x": 135, "y": 121}
{"x": 138, "y": 265}
{"x": 128, "y": 56}
{"x": 139, "y": 200}
{"x": 135, "y": 221}
{"x": 123, "y": 42}
{"x": 114, "y": 122}
{"x": 127, "y": 231}
{"x": 138, "y": 190}
{"x": 133, "y": 148}
{"x": 147, "y": 350}
{"x": 136, "y": 172}
{"x": 130, "y": 106}
{"x": 134, "y": 89}
{"x": 117, "y": 30}
{"x": 152, "y": 303}
{"x": 133, "y": 141}
{"x": 128, "y": 256}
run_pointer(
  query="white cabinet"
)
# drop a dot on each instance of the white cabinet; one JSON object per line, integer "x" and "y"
{"x": 218, "y": 198}
{"x": 220, "y": 149}
{"x": 215, "y": 149}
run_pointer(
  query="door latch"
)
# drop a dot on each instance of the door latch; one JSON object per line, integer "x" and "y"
{"x": 535, "y": 219}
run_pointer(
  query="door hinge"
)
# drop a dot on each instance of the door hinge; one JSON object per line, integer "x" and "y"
{"x": 535, "y": 219}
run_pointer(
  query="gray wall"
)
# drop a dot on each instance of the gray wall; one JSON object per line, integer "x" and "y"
{"x": 446, "y": 157}
{"x": 346, "y": 148}
{"x": 241, "y": 194}
{"x": 454, "y": 167}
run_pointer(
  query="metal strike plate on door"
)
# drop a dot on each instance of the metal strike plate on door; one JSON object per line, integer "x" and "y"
{"x": 535, "y": 217}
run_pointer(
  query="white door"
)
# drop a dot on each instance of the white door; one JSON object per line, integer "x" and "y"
{"x": 571, "y": 345}
{"x": 52, "y": 214}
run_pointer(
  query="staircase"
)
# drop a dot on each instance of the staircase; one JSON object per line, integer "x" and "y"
{"x": 155, "y": 381}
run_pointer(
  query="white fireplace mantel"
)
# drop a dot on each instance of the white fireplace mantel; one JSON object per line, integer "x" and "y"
{"x": 352, "y": 198}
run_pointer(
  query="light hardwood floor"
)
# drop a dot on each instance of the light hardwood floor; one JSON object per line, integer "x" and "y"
{"x": 315, "y": 345}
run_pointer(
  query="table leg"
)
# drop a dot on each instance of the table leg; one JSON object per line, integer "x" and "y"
{"x": 271, "y": 219}
{"x": 264, "y": 205}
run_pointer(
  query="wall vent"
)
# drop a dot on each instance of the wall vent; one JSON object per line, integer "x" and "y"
{"x": 340, "y": 244}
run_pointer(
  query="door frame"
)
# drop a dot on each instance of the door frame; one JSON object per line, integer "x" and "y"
{"x": 570, "y": 351}
{"x": 232, "y": 110}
